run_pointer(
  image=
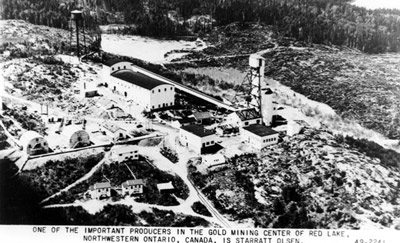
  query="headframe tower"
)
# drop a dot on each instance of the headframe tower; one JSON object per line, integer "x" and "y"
{"x": 254, "y": 92}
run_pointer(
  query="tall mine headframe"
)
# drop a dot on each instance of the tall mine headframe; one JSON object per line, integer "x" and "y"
{"x": 254, "y": 92}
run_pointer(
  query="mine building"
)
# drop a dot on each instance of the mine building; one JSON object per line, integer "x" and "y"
{"x": 244, "y": 118}
{"x": 78, "y": 138}
{"x": 125, "y": 79}
{"x": 165, "y": 187}
{"x": 124, "y": 153}
{"x": 203, "y": 118}
{"x": 213, "y": 162}
{"x": 183, "y": 122}
{"x": 132, "y": 187}
{"x": 116, "y": 132}
{"x": 33, "y": 143}
{"x": 259, "y": 136}
{"x": 197, "y": 138}
{"x": 100, "y": 190}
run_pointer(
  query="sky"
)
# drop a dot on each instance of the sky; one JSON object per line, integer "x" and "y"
{"x": 373, "y": 4}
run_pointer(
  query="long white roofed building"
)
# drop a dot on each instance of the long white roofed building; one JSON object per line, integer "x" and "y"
{"x": 124, "y": 79}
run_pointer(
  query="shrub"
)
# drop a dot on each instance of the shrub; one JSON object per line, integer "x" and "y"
{"x": 388, "y": 157}
{"x": 199, "y": 208}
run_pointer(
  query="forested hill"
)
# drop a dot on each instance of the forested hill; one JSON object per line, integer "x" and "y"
{"x": 331, "y": 22}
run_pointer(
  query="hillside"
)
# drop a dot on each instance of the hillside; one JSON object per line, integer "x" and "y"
{"x": 308, "y": 181}
{"x": 360, "y": 87}
{"x": 21, "y": 39}
{"x": 322, "y": 22}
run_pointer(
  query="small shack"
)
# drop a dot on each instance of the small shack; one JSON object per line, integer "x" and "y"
{"x": 203, "y": 118}
{"x": 116, "y": 132}
{"x": 33, "y": 143}
{"x": 130, "y": 187}
{"x": 213, "y": 162}
{"x": 165, "y": 187}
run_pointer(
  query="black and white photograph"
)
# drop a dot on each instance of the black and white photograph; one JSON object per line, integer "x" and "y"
{"x": 205, "y": 115}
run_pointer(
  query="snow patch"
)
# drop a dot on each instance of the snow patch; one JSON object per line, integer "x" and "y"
{"x": 148, "y": 49}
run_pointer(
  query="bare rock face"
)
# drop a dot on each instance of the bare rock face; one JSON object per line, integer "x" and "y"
{"x": 23, "y": 39}
{"x": 307, "y": 182}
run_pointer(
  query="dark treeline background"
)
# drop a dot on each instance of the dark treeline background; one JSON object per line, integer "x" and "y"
{"x": 316, "y": 21}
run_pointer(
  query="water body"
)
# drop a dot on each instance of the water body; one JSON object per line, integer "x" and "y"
{"x": 148, "y": 49}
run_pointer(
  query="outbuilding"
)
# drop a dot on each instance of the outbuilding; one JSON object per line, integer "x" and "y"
{"x": 213, "y": 162}
{"x": 203, "y": 118}
{"x": 244, "y": 118}
{"x": 259, "y": 136}
{"x": 183, "y": 122}
{"x": 165, "y": 187}
{"x": 196, "y": 137}
{"x": 125, "y": 152}
{"x": 132, "y": 187}
{"x": 100, "y": 190}
{"x": 33, "y": 143}
{"x": 116, "y": 132}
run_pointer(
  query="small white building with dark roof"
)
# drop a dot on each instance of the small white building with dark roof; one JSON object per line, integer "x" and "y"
{"x": 196, "y": 137}
{"x": 125, "y": 152}
{"x": 244, "y": 118}
{"x": 259, "y": 136}
{"x": 203, "y": 117}
{"x": 33, "y": 143}
{"x": 125, "y": 79}
{"x": 100, "y": 190}
{"x": 132, "y": 187}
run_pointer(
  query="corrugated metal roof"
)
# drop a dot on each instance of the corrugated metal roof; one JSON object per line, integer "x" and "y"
{"x": 202, "y": 115}
{"x": 111, "y": 62}
{"x": 28, "y": 136}
{"x": 138, "y": 79}
{"x": 260, "y": 130}
{"x": 133, "y": 182}
{"x": 101, "y": 185}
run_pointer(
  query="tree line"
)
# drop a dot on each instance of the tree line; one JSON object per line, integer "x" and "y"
{"x": 315, "y": 21}
{"x": 52, "y": 13}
